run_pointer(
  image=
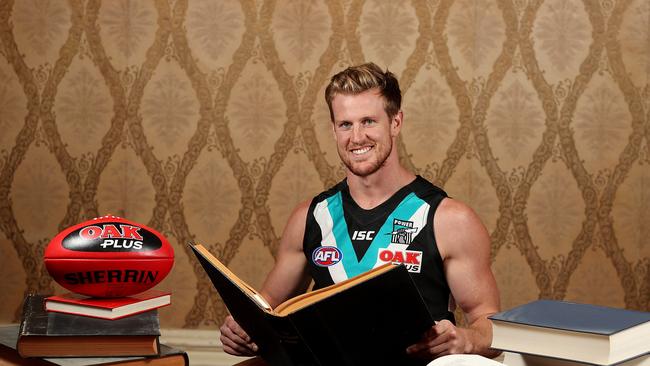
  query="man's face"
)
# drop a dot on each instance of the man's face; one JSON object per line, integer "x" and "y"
{"x": 363, "y": 131}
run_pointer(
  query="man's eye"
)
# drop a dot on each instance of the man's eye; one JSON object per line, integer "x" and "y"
{"x": 368, "y": 121}
{"x": 345, "y": 125}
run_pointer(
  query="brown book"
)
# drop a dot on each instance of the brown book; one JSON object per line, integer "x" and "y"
{"x": 9, "y": 356}
{"x": 49, "y": 334}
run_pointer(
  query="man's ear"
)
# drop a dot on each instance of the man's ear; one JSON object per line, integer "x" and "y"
{"x": 396, "y": 124}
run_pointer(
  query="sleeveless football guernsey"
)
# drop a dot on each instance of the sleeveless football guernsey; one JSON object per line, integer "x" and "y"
{"x": 343, "y": 240}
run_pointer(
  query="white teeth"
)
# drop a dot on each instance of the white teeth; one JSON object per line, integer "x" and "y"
{"x": 361, "y": 151}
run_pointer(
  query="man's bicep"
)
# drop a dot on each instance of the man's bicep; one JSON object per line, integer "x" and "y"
{"x": 465, "y": 245}
{"x": 289, "y": 275}
{"x": 473, "y": 288}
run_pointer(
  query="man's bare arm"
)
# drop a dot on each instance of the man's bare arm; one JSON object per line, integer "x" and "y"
{"x": 464, "y": 245}
{"x": 289, "y": 276}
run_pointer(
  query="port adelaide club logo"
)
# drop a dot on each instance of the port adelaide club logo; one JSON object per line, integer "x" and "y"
{"x": 326, "y": 256}
{"x": 402, "y": 234}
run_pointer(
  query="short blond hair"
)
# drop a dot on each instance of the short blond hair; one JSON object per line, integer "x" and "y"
{"x": 358, "y": 79}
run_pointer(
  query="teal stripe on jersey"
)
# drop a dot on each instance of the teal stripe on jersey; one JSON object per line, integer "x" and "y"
{"x": 340, "y": 231}
{"x": 404, "y": 211}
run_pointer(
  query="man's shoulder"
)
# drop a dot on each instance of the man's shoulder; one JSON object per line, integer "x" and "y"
{"x": 458, "y": 228}
{"x": 300, "y": 210}
{"x": 455, "y": 212}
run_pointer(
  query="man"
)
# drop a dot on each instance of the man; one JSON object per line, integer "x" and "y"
{"x": 382, "y": 206}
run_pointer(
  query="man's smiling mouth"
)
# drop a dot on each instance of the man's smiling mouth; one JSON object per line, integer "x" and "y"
{"x": 362, "y": 150}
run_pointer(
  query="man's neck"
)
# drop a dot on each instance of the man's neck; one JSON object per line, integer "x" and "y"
{"x": 372, "y": 190}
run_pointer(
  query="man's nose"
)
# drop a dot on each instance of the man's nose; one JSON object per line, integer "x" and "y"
{"x": 357, "y": 133}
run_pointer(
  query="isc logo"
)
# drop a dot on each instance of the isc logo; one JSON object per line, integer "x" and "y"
{"x": 326, "y": 256}
{"x": 363, "y": 235}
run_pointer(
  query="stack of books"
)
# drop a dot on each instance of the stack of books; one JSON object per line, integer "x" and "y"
{"x": 559, "y": 333}
{"x": 107, "y": 308}
{"x": 82, "y": 332}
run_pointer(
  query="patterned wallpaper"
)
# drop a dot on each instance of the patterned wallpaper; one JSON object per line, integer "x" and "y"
{"x": 206, "y": 120}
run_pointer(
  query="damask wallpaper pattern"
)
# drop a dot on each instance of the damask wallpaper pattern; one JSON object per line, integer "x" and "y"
{"x": 206, "y": 120}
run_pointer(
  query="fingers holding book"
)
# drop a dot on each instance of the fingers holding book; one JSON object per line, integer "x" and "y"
{"x": 444, "y": 338}
{"x": 235, "y": 340}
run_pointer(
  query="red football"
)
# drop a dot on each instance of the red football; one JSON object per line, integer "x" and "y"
{"x": 109, "y": 257}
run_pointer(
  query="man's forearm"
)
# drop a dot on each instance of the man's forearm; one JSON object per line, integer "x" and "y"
{"x": 479, "y": 335}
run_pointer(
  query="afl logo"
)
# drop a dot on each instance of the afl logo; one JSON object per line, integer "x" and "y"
{"x": 326, "y": 256}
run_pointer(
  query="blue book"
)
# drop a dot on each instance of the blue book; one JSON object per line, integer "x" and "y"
{"x": 591, "y": 334}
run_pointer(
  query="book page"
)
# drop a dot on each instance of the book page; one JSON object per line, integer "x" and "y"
{"x": 262, "y": 301}
{"x": 306, "y": 299}
{"x": 464, "y": 360}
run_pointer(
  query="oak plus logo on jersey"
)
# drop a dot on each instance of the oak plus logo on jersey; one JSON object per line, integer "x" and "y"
{"x": 411, "y": 259}
{"x": 326, "y": 256}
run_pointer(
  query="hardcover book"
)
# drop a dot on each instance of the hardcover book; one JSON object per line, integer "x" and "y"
{"x": 107, "y": 308}
{"x": 168, "y": 356}
{"x": 367, "y": 320}
{"x": 48, "y": 334}
{"x": 585, "y": 333}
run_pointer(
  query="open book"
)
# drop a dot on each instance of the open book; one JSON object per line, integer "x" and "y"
{"x": 367, "y": 320}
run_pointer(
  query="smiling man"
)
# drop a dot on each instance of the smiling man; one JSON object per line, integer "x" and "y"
{"x": 384, "y": 213}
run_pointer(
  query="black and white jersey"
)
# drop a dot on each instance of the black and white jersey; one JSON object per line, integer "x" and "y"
{"x": 343, "y": 240}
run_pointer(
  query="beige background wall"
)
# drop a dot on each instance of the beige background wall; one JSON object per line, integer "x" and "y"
{"x": 205, "y": 120}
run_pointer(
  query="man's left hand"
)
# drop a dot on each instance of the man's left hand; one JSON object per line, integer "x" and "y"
{"x": 444, "y": 338}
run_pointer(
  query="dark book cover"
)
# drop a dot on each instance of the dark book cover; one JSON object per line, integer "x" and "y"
{"x": 9, "y": 355}
{"x": 37, "y": 321}
{"x": 371, "y": 322}
{"x": 563, "y": 315}
{"x": 276, "y": 337}
{"x": 44, "y": 333}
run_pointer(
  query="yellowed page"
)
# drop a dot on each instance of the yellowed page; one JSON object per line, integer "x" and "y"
{"x": 306, "y": 299}
{"x": 252, "y": 293}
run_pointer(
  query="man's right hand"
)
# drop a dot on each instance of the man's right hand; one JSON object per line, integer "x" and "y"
{"x": 288, "y": 278}
{"x": 235, "y": 340}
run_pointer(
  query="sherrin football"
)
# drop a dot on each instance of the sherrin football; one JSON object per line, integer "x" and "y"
{"x": 109, "y": 257}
